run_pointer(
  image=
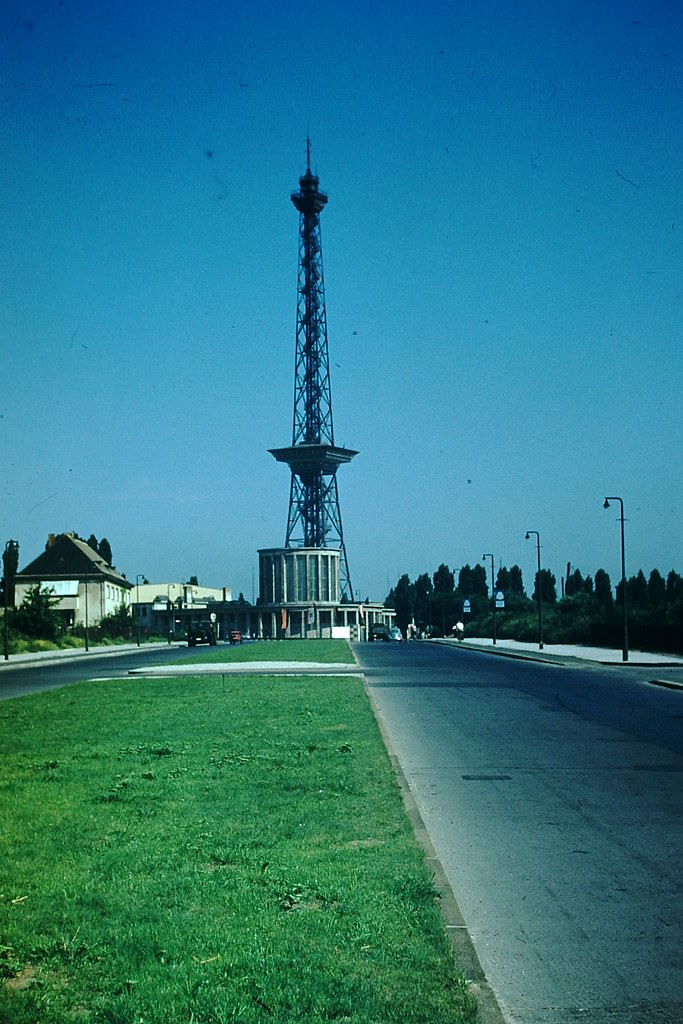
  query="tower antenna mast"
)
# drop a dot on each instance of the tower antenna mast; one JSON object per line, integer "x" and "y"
{"x": 314, "y": 519}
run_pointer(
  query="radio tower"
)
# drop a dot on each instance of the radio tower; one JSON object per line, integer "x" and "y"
{"x": 314, "y": 519}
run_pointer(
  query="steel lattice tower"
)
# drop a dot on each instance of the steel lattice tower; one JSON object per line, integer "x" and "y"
{"x": 314, "y": 519}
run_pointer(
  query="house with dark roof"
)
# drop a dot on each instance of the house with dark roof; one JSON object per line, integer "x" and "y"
{"x": 87, "y": 587}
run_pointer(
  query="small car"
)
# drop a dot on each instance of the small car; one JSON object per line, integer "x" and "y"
{"x": 395, "y": 634}
{"x": 235, "y": 636}
{"x": 201, "y": 633}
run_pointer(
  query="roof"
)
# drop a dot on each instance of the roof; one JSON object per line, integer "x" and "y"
{"x": 67, "y": 558}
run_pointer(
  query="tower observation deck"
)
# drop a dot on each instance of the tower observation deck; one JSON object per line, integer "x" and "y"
{"x": 314, "y": 519}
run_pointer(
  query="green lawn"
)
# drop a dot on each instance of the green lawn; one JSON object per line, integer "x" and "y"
{"x": 210, "y": 850}
{"x": 279, "y": 650}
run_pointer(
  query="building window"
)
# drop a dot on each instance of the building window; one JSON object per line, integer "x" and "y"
{"x": 334, "y": 588}
{"x": 325, "y": 578}
{"x": 313, "y": 592}
{"x": 289, "y": 578}
{"x": 301, "y": 578}
{"x": 277, "y": 580}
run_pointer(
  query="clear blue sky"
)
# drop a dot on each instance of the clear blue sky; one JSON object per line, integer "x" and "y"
{"x": 503, "y": 269}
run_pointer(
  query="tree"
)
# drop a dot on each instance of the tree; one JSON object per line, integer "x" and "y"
{"x": 516, "y": 581}
{"x": 574, "y": 583}
{"x": 443, "y": 597}
{"x": 636, "y": 591}
{"x": 118, "y": 624}
{"x": 36, "y": 616}
{"x": 674, "y": 588}
{"x": 603, "y": 589}
{"x": 401, "y": 598}
{"x": 193, "y": 581}
{"x": 92, "y": 542}
{"x": 510, "y": 582}
{"x": 547, "y": 586}
{"x": 444, "y": 580}
{"x": 656, "y": 589}
{"x": 104, "y": 550}
{"x": 472, "y": 582}
{"x": 503, "y": 580}
{"x": 423, "y": 590}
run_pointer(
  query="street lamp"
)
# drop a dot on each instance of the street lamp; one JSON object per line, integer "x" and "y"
{"x": 493, "y": 595}
{"x": 139, "y": 576}
{"x": 170, "y": 605}
{"x": 168, "y": 609}
{"x": 538, "y": 586}
{"x": 624, "y": 646}
{"x": 10, "y": 560}
{"x": 86, "y": 613}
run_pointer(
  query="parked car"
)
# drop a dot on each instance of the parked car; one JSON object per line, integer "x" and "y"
{"x": 201, "y": 633}
{"x": 235, "y": 636}
{"x": 395, "y": 634}
{"x": 378, "y": 631}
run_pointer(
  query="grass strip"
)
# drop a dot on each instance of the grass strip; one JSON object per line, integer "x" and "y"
{"x": 201, "y": 851}
{"x": 278, "y": 650}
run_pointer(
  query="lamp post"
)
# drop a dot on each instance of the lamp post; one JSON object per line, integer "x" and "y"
{"x": 624, "y": 646}
{"x": 4, "y": 588}
{"x": 10, "y": 560}
{"x": 86, "y": 612}
{"x": 139, "y": 576}
{"x": 539, "y": 588}
{"x": 493, "y": 595}
{"x": 170, "y": 606}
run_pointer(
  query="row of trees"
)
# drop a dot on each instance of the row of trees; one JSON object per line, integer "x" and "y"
{"x": 586, "y": 611}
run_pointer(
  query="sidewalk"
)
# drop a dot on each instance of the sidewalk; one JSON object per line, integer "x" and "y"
{"x": 565, "y": 652}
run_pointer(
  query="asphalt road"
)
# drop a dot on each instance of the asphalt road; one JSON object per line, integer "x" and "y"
{"x": 553, "y": 798}
{"x": 18, "y": 679}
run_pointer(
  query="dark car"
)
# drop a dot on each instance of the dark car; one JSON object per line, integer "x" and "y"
{"x": 201, "y": 633}
{"x": 378, "y": 631}
{"x": 235, "y": 636}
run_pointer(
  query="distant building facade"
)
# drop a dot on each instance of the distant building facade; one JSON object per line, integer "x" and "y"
{"x": 87, "y": 587}
{"x": 171, "y": 607}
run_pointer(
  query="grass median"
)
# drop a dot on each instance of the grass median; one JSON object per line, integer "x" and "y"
{"x": 212, "y": 849}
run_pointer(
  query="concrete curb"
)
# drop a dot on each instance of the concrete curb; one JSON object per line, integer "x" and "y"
{"x": 668, "y": 684}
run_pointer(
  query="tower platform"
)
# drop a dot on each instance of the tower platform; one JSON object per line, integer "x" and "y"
{"x": 307, "y": 460}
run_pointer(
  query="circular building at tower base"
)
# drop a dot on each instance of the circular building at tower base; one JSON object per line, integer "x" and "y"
{"x": 300, "y": 597}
